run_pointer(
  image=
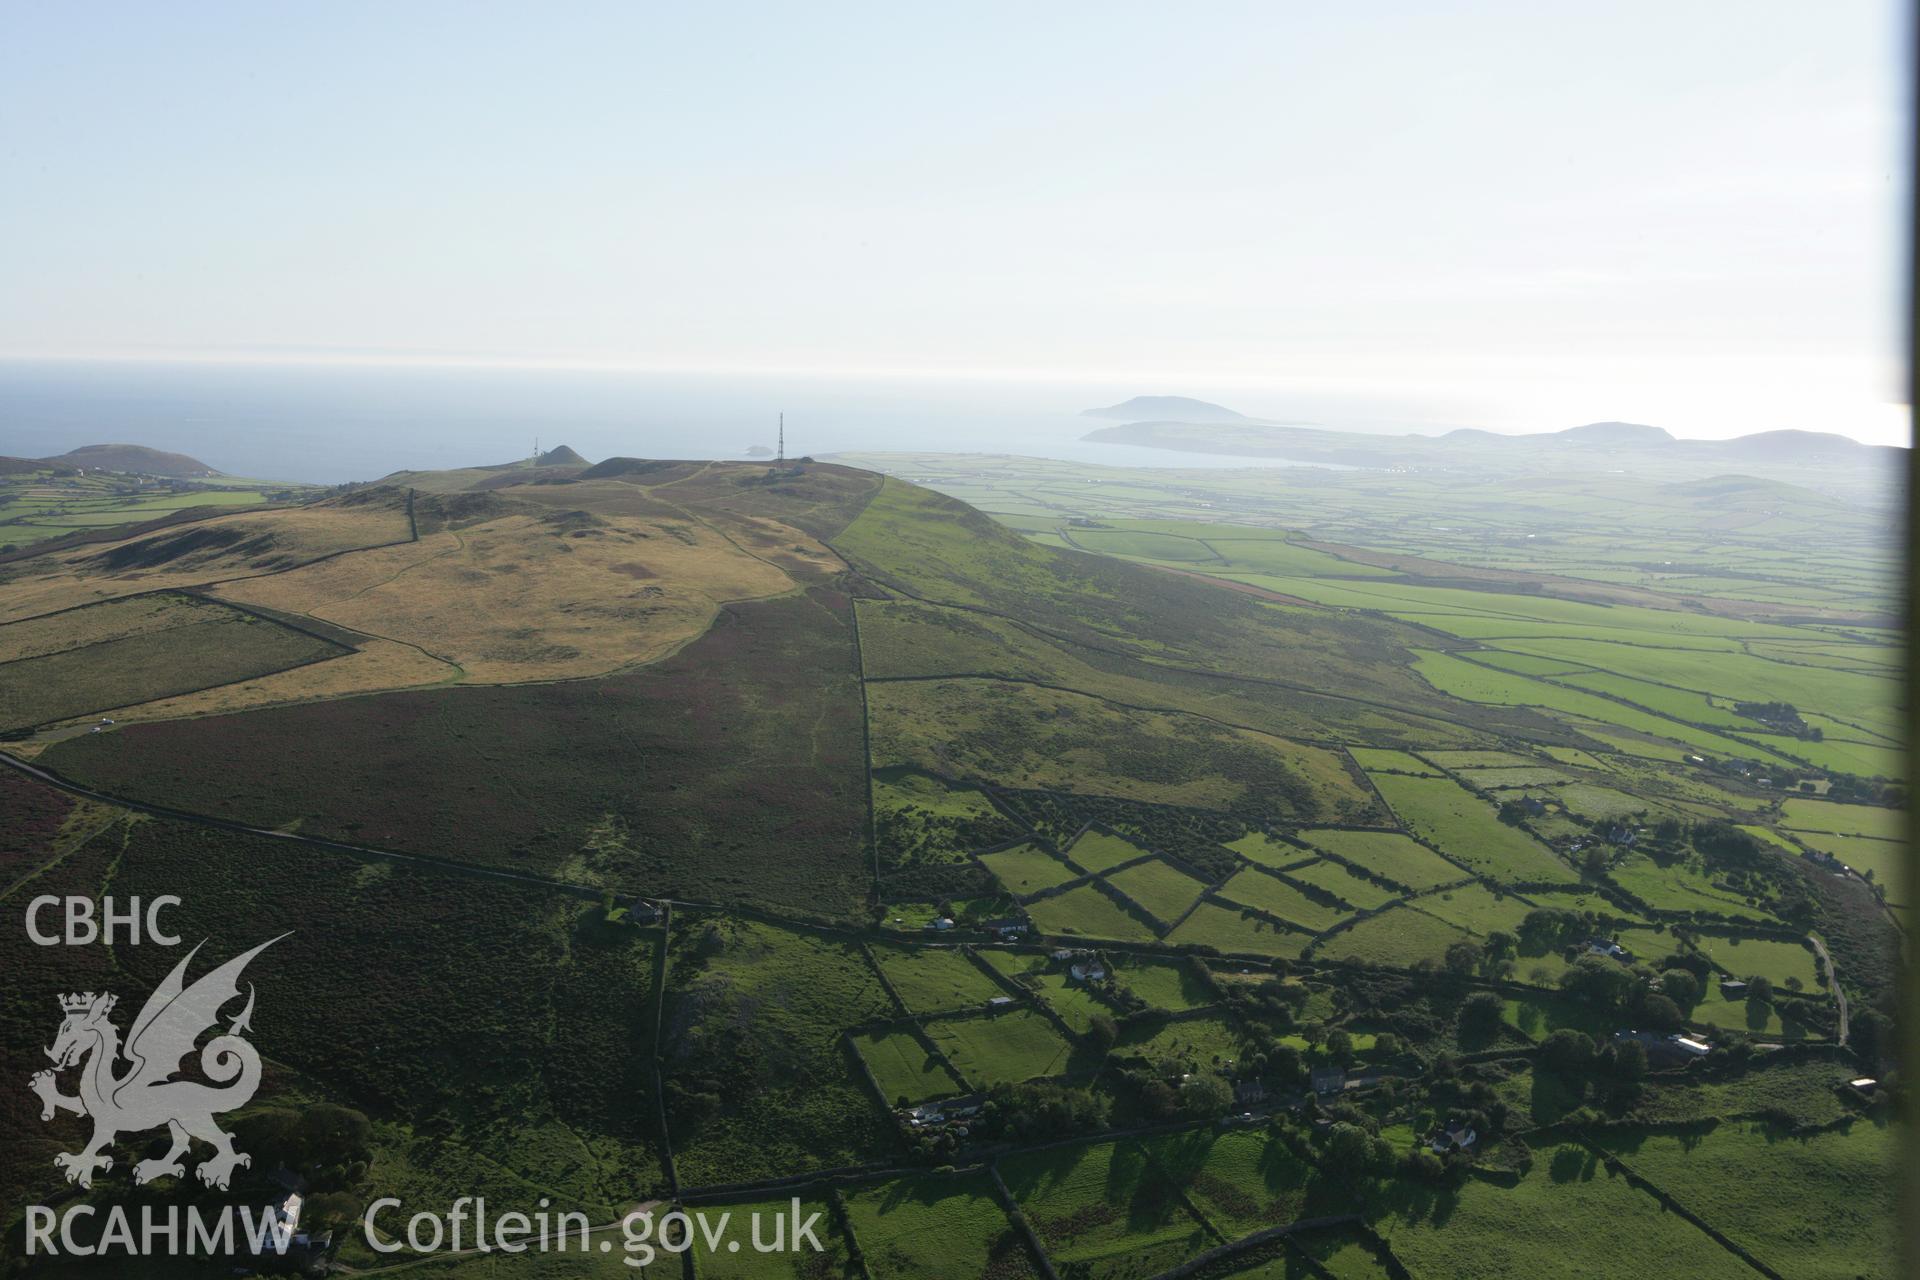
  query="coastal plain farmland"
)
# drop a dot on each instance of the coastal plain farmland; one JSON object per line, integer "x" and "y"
{"x": 999, "y": 883}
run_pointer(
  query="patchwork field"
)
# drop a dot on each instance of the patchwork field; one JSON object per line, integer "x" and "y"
{"x": 1243, "y": 1181}
{"x": 933, "y": 1225}
{"x": 1002, "y": 1047}
{"x": 1234, "y": 931}
{"x": 1099, "y": 851}
{"x": 1737, "y": 1175}
{"x": 1026, "y": 869}
{"x": 1161, "y": 889}
{"x": 1104, "y": 1210}
{"x": 1397, "y": 936}
{"x": 904, "y": 1068}
{"x": 1086, "y": 912}
{"x": 1254, "y": 888}
{"x": 934, "y": 979}
{"x": 1450, "y": 818}
{"x": 1568, "y": 1215}
{"x": 1390, "y": 855}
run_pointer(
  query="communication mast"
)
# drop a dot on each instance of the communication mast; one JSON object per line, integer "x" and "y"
{"x": 781, "y": 456}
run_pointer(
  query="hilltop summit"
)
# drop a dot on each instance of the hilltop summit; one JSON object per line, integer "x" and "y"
{"x": 560, "y": 456}
{"x": 1616, "y": 433}
{"x": 134, "y": 458}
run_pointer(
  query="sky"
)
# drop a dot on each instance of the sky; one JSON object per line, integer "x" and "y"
{"x": 1512, "y": 215}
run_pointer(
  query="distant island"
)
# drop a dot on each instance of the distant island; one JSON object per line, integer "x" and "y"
{"x": 1167, "y": 409}
{"x": 759, "y": 451}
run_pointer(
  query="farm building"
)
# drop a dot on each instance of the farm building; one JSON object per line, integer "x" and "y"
{"x": 1328, "y": 1079}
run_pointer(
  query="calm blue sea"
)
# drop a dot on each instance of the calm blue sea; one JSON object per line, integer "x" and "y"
{"x": 332, "y": 423}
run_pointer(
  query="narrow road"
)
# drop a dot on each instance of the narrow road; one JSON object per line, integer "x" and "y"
{"x": 1833, "y": 984}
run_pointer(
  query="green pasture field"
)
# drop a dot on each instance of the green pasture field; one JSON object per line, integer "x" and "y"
{"x": 1161, "y": 889}
{"x": 1389, "y": 760}
{"x": 1262, "y": 848}
{"x": 1256, "y": 888}
{"x": 1475, "y": 908}
{"x": 1760, "y": 1185}
{"x": 934, "y": 979}
{"x": 1098, "y": 851}
{"x": 1680, "y": 704}
{"x": 1524, "y": 664}
{"x": 1478, "y": 759}
{"x": 936, "y": 1224}
{"x": 1086, "y": 912}
{"x": 904, "y": 1068}
{"x": 1002, "y": 1047}
{"x": 1575, "y": 756}
{"x": 1627, "y": 744}
{"x": 1682, "y": 886}
{"x": 1501, "y": 779}
{"x": 1023, "y": 968}
{"x": 1142, "y": 545}
{"x": 1748, "y": 1017}
{"x": 1388, "y": 853}
{"x": 1765, "y": 836}
{"x": 1243, "y": 1180}
{"x": 1886, "y": 859}
{"x": 1769, "y": 958}
{"x": 1026, "y": 868}
{"x": 1449, "y": 817}
{"x": 1275, "y": 555}
{"x": 1236, "y": 932}
{"x": 1847, "y": 695}
{"x": 1475, "y": 683}
{"x": 1074, "y": 1002}
{"x": 1842, "y": 819}
{"x": 1538, "y": 1017}
{"x": 1104, "y": 1211}
{"x": 1565, "y": 1216}
{"x": 190, "y": 644}
{"x": 1867, "y": 759}
{"x": 794, "y": 1260}
{"x": 1343, "y": 883}
{"x": 1396, "y": 937}
{"x": 1592, "y": 801}
{"x": 1163, "y": 984}
{"x": 1338, "y": 1252}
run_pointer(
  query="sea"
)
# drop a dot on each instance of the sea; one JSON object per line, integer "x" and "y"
{"x": 332, "y": 423}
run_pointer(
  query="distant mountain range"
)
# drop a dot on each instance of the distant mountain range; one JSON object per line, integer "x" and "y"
{"x": 134, "y": 459}
{"x": 1833, "y": 464}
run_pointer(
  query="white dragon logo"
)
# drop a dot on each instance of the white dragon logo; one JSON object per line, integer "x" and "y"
{"x": 146, "y": 1096}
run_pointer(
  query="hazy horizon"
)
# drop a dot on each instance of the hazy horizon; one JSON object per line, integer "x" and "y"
{"x": 1512, "y": 218}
